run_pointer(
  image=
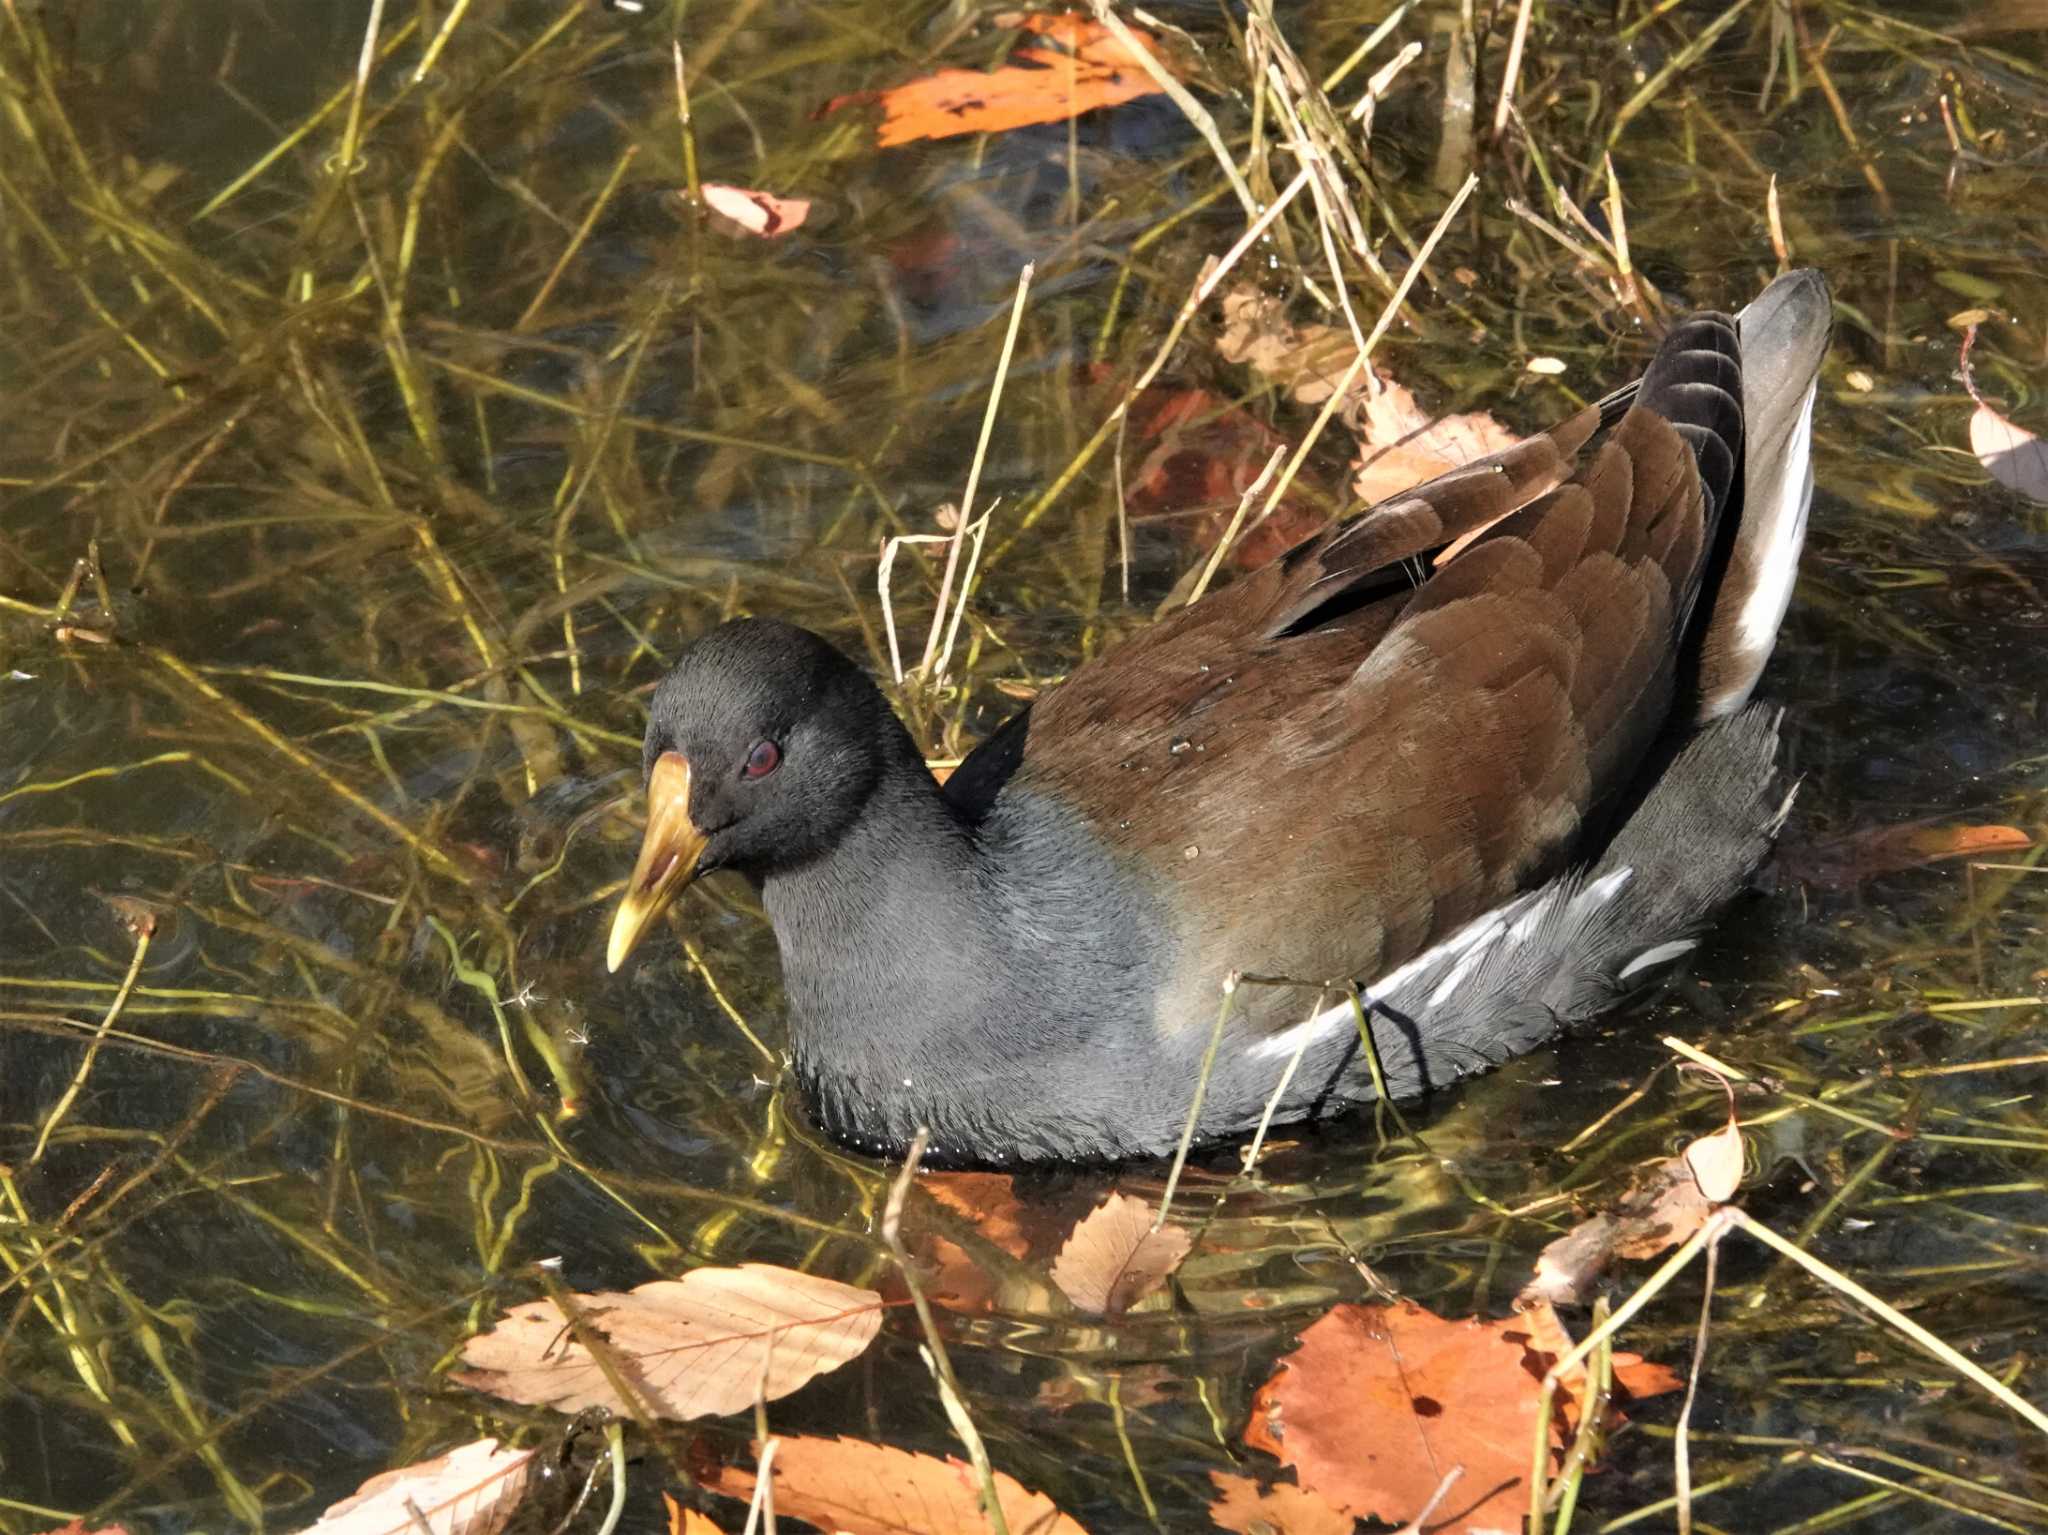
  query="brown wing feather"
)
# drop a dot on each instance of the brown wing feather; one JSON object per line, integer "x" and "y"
{"x": 1445, "y": 733}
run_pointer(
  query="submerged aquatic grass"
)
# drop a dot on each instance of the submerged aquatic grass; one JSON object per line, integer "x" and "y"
{"x": 381, "y": 413}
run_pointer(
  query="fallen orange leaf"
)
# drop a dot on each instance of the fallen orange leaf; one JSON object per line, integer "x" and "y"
{"x": 988, "y": 1202}
{"x": 1035, "y": 85}
{"x": 1378, "y": 1402}
{"x": 1865, "y": 855}
{"x": 855, "y": 1488}
{"x": 687, "y": 1521}
{"x": 1244, "y": 1506}
{"x": 1203, "y": 454}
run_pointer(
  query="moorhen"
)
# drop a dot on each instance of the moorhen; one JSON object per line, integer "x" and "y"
{"x": 1486, "y": 750}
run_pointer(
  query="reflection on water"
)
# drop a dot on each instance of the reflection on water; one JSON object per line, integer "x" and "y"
{"x": 400, "y": 486}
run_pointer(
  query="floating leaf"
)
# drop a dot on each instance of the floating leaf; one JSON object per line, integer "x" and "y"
{"x": 1865, "y": 855}
{"x": 1035, "y": 85}
{"x": 690, "y": 1348}
{"x": 1114, "y": 1259}
{"x": 854, "y": 1488}
{"x": 988, "y": 1202}
{"x": 1378, "y": 1401}
{"x": 1664, "y": 1205}
{"x": 756, "y": 213}
{"x": 1201, "y": 455}
{"x": 1715, "y": 1162}
{"x": 688, "y": 1521}
{"x": 2010, "y": 453}
{"x": 1401, "y": 445}
{"x": 1637, "y": 1377}
{"x": 1307, "y": 361}
{"x": 469, "y": 1491}
{"x": 1281, "y": 1508}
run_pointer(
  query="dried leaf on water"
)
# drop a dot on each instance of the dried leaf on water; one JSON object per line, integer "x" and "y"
{"x": 1378, "y": 1402}
{"x": 848, "y": 1486}
{"x": 1635, "y": 1377}
{"x": 1089, "y": 69}
{"x": 963, "y": 1275}
{"x": 756, "y": 213}
{"x": 2010, "y": 454}
{"x": 1201, "y": 454}
{"x": 1114, "y": 1258}
{"x": 468, "y": 1491}
{"x": 1864, "y": 855}
{"x": 688, "y": 1521}
{"x": 1401, "y": 445}
{"x": 690, "y": 1348}
{"x": 1665, "y": 1204}
{"x": 1307, "y": 361}
{"x": 1277, "y": 1508}
{"x": 1715, "y": 1162}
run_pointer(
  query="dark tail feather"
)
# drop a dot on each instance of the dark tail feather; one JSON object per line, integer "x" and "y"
{"x": 1695, "y": 383}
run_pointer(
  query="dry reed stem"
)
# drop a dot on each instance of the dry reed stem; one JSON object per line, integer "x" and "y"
{"x": 933, "y": 1349}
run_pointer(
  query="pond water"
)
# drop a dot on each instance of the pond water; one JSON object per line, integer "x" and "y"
{"x": 404, "y": 432}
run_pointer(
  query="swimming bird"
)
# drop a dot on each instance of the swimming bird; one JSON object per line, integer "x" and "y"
{"x": 1473, "y": 764}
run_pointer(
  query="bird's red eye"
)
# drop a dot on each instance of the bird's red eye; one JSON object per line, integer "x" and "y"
{"x": 764, "y": 759}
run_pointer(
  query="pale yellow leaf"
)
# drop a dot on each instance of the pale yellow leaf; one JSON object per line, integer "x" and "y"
{"x": 469, "y": 1491}
{"x": 689, "y": 1348}
{"x": 2010, "y": 454}
{"x": 1716, "y": 1163}
{"x": 1114, "y": 1259}
{"x": 846, "y": 1486}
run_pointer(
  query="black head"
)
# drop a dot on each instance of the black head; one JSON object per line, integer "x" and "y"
{"x": 763, "y": 747}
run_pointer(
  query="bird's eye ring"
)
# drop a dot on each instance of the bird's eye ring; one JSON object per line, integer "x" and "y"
{"x": 762, "y": 759}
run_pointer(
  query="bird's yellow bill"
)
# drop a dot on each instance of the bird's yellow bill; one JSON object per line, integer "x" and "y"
{"x": 668, "y": 857}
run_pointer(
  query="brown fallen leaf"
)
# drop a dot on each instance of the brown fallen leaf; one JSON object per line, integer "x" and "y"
{"x": 1665, "y": 1204}
{"x": 688, "y": 1521}
{"x": 756, "y": 213}
{"x": 469, "y": 1491}
{"x": 988, "y": 1201}
{"x": 1401, "y": 445}
{"x": 853, "y": 1488}
{"x": 1847, "y": 861}
{"x": 1089, "y": 69}
{"x": 692, "y": 1347}
{"x": 1378, "y": 1401}
{"x": 1200, "y": 454}
{"x": 1278, "y": 1508}
{"x": 1307, "y": 361}
{"x": 1114, "y": 1258}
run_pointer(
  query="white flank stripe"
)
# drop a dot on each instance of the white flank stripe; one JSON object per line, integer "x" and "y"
{"x": 1790, "y": 500}
{"x": 1464, "y": 950}
{"x": 1657, "y": 956}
